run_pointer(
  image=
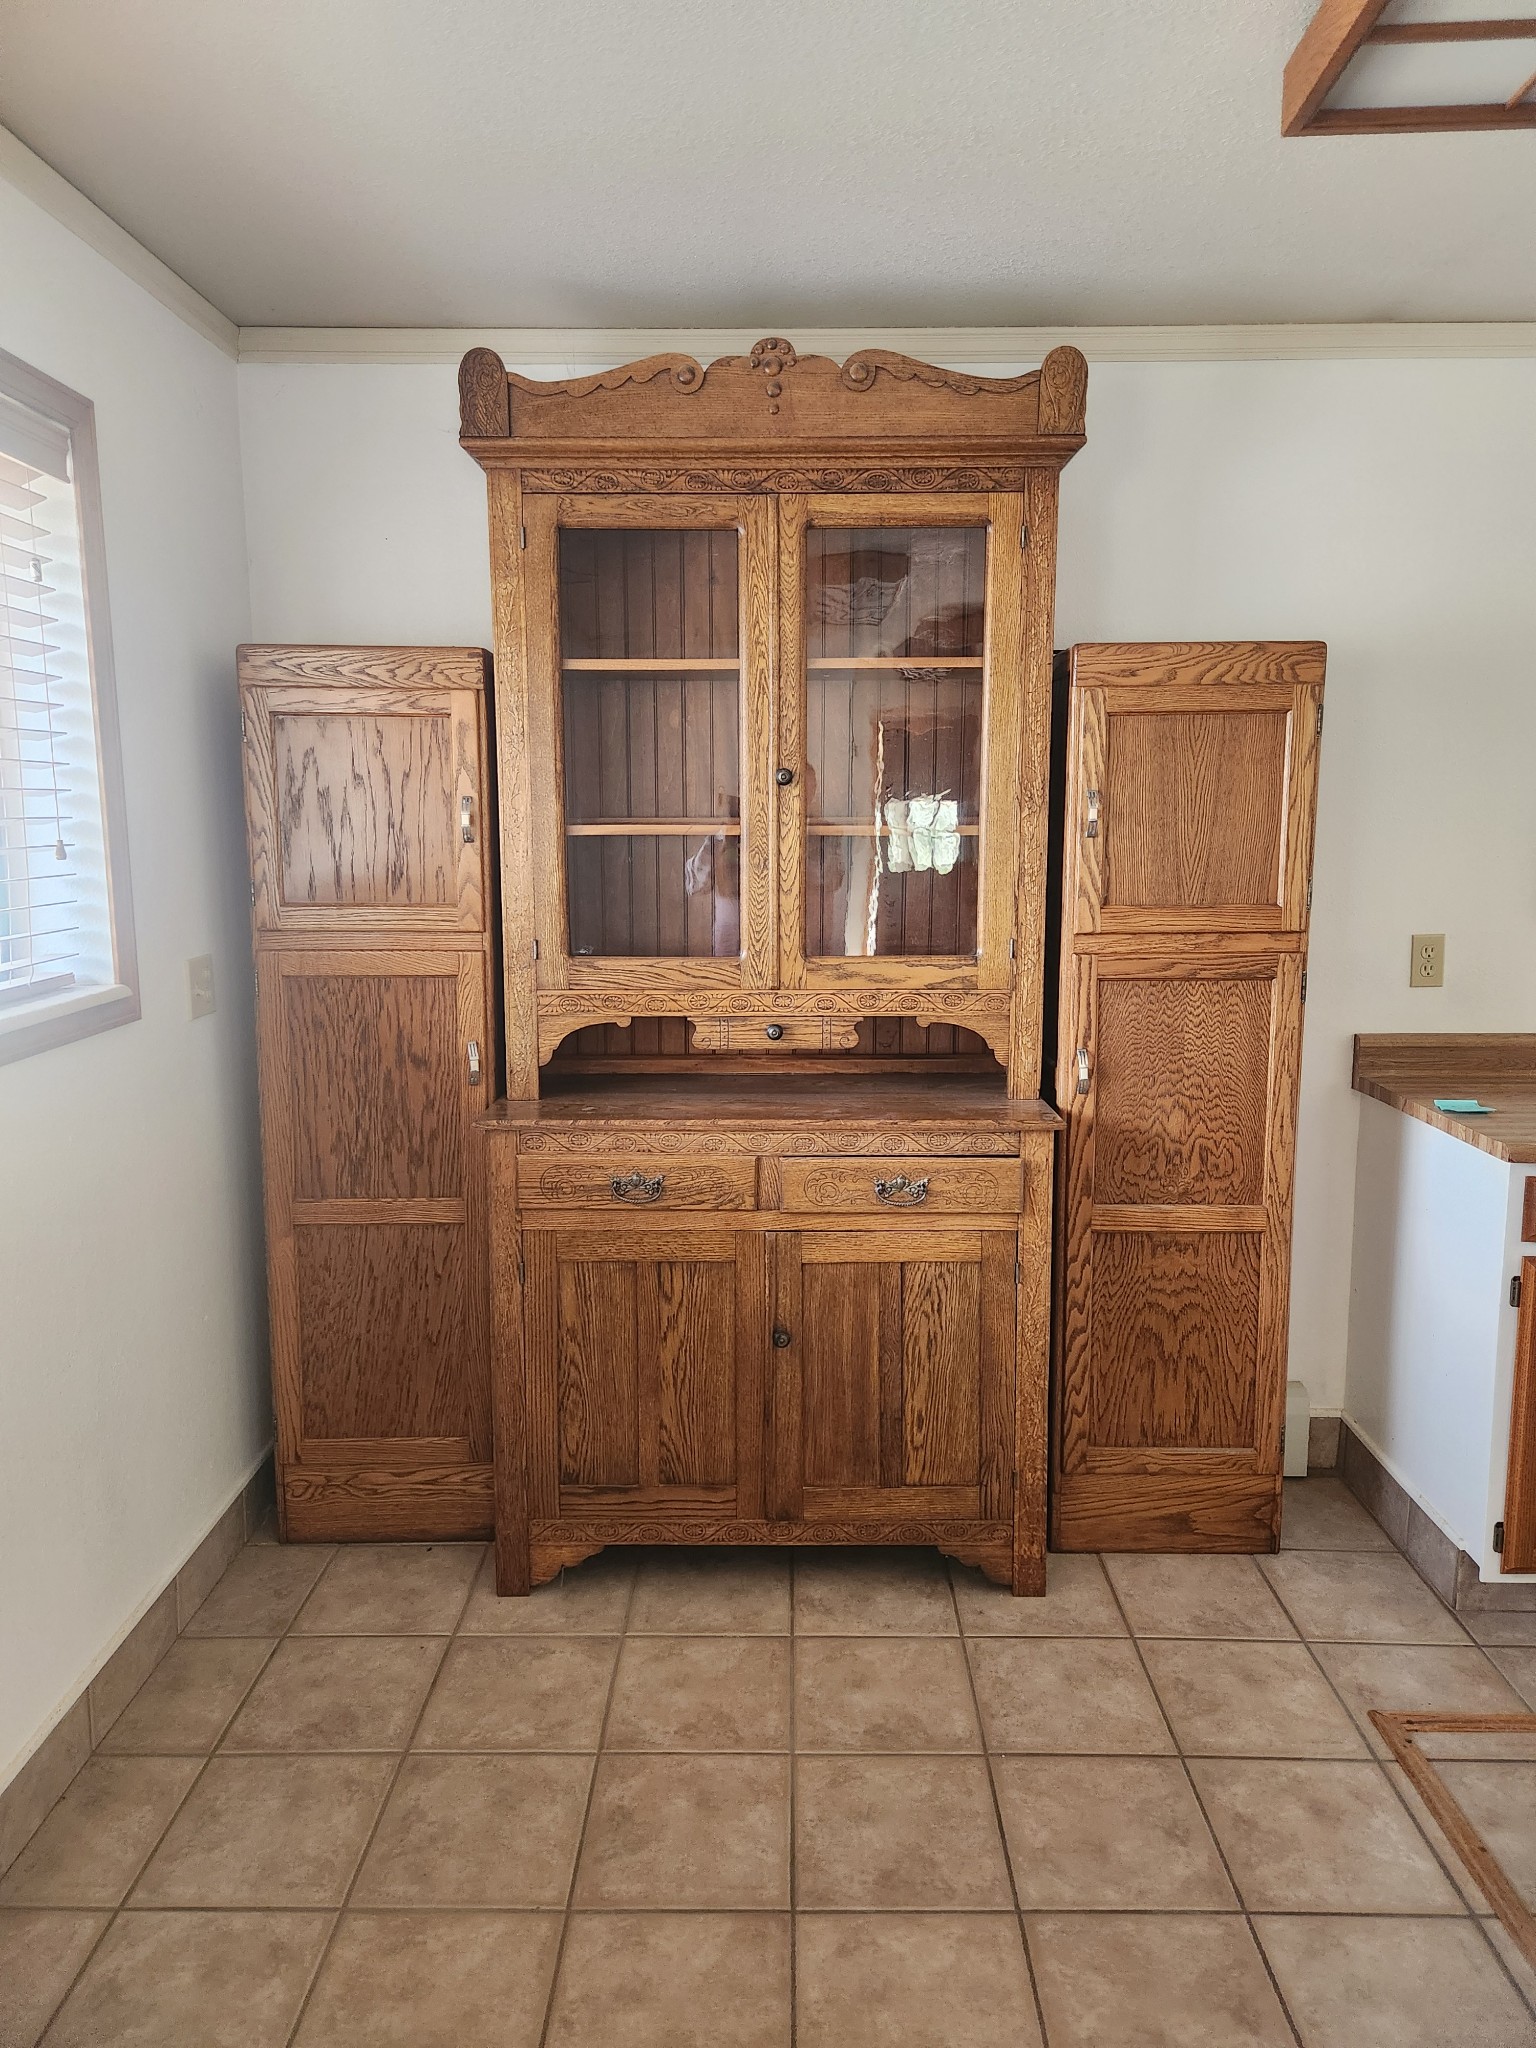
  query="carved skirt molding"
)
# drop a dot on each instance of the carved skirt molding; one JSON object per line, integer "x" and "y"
{"x": 563, "y": 1013}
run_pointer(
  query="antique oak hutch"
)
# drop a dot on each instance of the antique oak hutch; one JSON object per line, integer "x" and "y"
{"x": 769, "y": 1191}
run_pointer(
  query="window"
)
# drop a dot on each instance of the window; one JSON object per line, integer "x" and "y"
{"x": 67, "y": 962}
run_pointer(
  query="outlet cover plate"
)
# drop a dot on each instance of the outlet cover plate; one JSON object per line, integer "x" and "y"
{"x": 200, "y": 997}
{"x": 1426, "y": 961}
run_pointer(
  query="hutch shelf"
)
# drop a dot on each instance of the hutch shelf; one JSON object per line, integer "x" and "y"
{"x": 768, "y": 1196}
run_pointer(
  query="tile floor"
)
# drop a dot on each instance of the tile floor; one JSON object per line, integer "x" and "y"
{"x": 742, "y": 1801}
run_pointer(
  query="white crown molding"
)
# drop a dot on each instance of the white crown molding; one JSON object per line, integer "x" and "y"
{"x": 39, "y": 182}
{"x": 582, "y": 349}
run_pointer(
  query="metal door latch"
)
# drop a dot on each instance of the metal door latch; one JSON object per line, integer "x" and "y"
{"x": 473, "y": 1049}
{"x": 1082, "y": 1070}
{"x": 1091, "y": 829}
{"x": 467, "y": 820}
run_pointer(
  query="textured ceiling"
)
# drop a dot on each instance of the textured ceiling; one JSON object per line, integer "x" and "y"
{"x": 754, "y": 162}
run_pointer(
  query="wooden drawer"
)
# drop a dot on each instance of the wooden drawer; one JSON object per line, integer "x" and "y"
{"x": 943, "y": 1187}
{"x": 630, "y": 1181}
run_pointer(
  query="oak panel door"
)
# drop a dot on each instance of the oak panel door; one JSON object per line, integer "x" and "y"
{"x": 1519, "y": 1553}
{"x": 643, "y": 1361}
{"x": 1191, "y": 789}
{"x": 894, "y": 1375}
{"x": 1192, "y": 786}
{"x": 369, "y": 1094}
{"x": 366, "y": 806}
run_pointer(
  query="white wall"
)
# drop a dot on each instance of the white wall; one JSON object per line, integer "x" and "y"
{"x": 133, "y": 1396}
{"x": 1388, "y": 507}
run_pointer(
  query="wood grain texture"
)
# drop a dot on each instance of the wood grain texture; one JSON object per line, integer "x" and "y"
{"x": 1336, "y": 31}
{"x": 773, "y": 398}
{"x": 1519, "y": 1553}
{"x": 509, "y": 1392}
{"x": 1176, "y": 1177}
{"x": 678, "y": 1183}
{"x": 947, "y": 1187}
{"x": 1528, "y": 1210}
{"x": 366, "y": 1003}
{"x": 1408, "y": 1070}
{"x": 1025, "y": 1402}
{"x": 398, "y": 1503}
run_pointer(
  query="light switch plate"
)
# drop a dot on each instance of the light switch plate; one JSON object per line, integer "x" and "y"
{"x": 200, "y": 999}
{"x": 1426, "y": 962}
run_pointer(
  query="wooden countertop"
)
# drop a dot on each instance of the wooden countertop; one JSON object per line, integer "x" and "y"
{"x": 905, "y": 1103}
{"x": 1408, "y": 1071}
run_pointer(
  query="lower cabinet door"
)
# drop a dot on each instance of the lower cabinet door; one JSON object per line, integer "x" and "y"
{"x": 893, "y": 1375}
{"x": 644, "y": 1371}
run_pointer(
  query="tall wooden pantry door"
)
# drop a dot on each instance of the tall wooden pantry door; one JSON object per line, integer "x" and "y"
{"x": 1191, "y": 790}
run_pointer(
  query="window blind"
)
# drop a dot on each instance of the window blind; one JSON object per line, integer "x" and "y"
{"x": 55, "y": 929}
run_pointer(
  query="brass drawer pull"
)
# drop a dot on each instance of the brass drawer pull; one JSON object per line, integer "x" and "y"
{"x": 637, "y": 1186}
{"x": 901, "y": 1192}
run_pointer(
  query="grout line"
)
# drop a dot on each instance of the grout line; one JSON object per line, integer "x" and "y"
{"x": 1189, "y": 1779}
{"x": 389, "y": 1789}
{"x": 586, "y": 1812}
{"x": 794, "y": 1844}
{"x": 1397, "y": 1789}
{"x": 997, "y": 1808}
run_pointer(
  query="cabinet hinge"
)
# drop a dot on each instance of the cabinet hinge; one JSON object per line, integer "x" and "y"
{"x": 1018, "y": 1272}
{"x": 1319, "y": 717}
{"x": 253, "y": 895}
{"x": 521, "y": 1274}
{"x": 1023, "y": 536}
{"x": 256, "y": 981}
{"x": 535, "y": 949}
{"x": 1309, "y": 895}
{"x": 243, "y": 733}
{"x": 522, "y": 536}
{"x": 1514, "y": 1291}
{"x": 1498, "y": 1537}
{"x": 1013, "y": 949}
{"x": 1303, "y": 984}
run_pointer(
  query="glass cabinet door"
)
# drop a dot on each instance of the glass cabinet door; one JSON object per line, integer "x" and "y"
{"x": 894, "y": 747}
{"x": 650, "y": 663}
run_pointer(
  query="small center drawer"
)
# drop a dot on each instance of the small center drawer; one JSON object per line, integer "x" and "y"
{"x": 943, "y": 1187}
{"x": 633, "y": 1181}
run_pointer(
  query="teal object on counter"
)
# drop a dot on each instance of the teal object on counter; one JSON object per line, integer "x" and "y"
{"x": 1459, "y": 1105}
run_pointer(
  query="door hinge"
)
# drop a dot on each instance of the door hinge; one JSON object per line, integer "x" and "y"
{"x": 1303, "y": 984}
{"x": 1018, "y": 1272}
{"x": 256, "y": 981}
{"x": 1013, "y": 949}
{"x": 1309, "y": 895}
{"x": 243, "y": 733}
{"x": 253, "y": 895}
{"x": 522, "y": 536}
{"x": 1024, "y": 536}
{"x": 521, "y": 1272}
{"x": 1514, "y": 1291}
{"x": 535, "y": 949}
{"x": 1319, "y": 717}
{"x": 1498, "y": 1537}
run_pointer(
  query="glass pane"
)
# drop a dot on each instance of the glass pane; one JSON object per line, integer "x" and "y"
{"x": 651, "y": 686}
{"x": 895, "y": 620}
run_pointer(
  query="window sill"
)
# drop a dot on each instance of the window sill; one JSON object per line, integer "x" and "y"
{"x": 73, "y": 1013}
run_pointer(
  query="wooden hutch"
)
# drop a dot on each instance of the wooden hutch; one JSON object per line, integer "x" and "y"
{"x": 769, "y": 1192}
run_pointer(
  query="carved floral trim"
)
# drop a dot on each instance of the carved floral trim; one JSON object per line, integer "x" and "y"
{"x": 780, "y": 476}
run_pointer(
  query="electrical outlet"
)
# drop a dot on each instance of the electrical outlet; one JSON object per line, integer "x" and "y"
{"x": 200, "y": 1001}
{"x": 1426, "y": 963}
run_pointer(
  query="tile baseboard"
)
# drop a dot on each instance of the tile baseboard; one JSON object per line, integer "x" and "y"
{"x": 48, "y": 1772}
{"x": 1441, "y": 1563}
{"x": 1323, "y": 1433}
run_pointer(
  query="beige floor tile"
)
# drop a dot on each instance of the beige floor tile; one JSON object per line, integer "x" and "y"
{"x": 687, "y": 1832}
{"x": 1322, "y": 1514}
{"x": 40, "y": 1954}
{"x": 1196, "y": 1596}
{"x": 1358, "y": 1597}
{"x": 262, "y": 1591}
{"x": 716, "y": 1592}
{"x": 1319, "y": 1837}
{"x": 187, "y": 1702}
{"x": 392, "y": 1589}
{"x": 1108, "y": 1834}
{"x": 1519, "y": 1667}
{"x": 338, "y": 1692}
{"x": 591, "y": 1599}
{"x": 478, "y": 1831}
{"x": 1050, "y": 1695}
{"x": 873, "y": 1593}
{"x": 1249, "y": 1699}
{"x": 433, "y": 1980}
{"x": 1077, "y": 1601}
{"x": 193, "y": 1980}
{"x": 1504, "y": 1629}
{"x": 1409, "y": 1678}
{"x": 94, "y": 1843}
{"x": 673, "y": 1980}
{"x": 883, "y": 1693}
{"x": 497, "y": 1692}
{"x": 262, "y": 1831}
{"x": 1429, "y": 1827}
{"x": 1500, "y": 1801}
{"x": 912, "y": 1980}
{"x": 1399, "y": 1983}
{"x": 701, "y": 1692}
{"x": 1518, "y": 1965}
{"x": 897, "y": 1833}
{"x": 1143, "y": 1980}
